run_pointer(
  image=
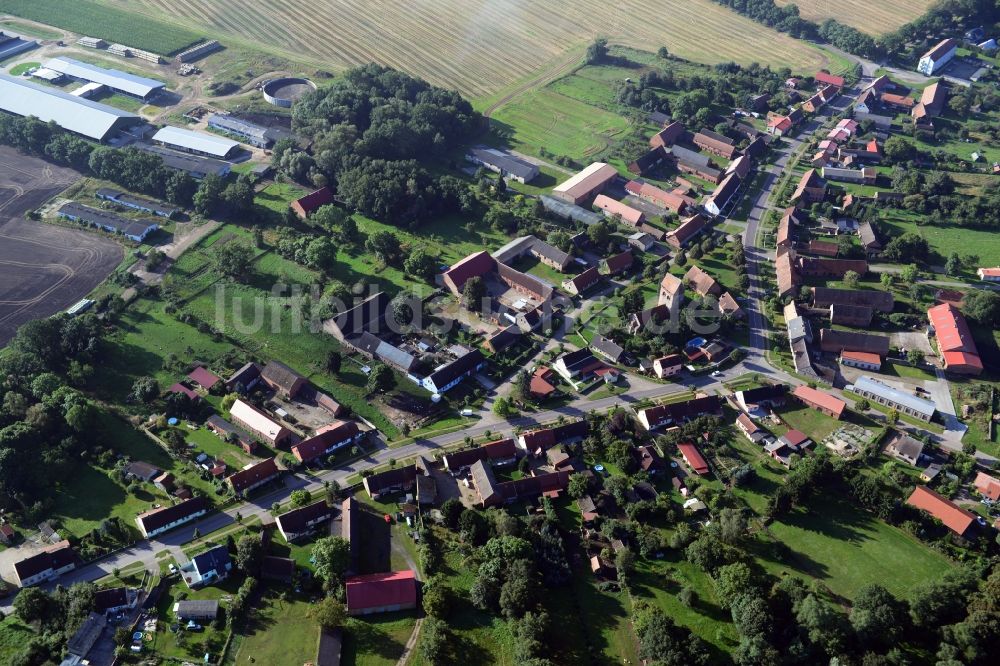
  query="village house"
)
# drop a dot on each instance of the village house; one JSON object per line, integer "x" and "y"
{"x": 498, "y": 453}
{"x": 641, "y": 241}
{"x": 647, "y": 162}
{"x": 310, "y": 203}
{"x": 673, "y": 201}
{"x": 618, "y": 263}
{"x": 654, "y": 418}
{"x": 989, "y": 274}
{"x": 693, "y": 458}
{"x": 259, "y": 424}
{"x": 204, "y": 378}
{"x": 987, "y": 486}
{"x": 861, "y": 360}
{"x": 244, "y": 379}
{"x": 51, "y": 562}
{"x": 668, "y": 366}
{"x": 540, "y": 386}
{"x": 326, "y": 440}
{"x": 612, "y": 208}
{"x": 786, "y": 272}
{"x": 820, "y": 401}
{"x": 254, "y": 476}
{"x": 649, "y": 460}
{"x": 904, "y": 448}
{"x": 578, "y": 284}
{"x": 227, "y": 431}
{"x": 761, "y": 398}
{"x": 729, "y": 307}
{"x": 157, "y": 521}
{"x": 954, "y": 340}
{"x": 493, "y": 493}
{"x": 545, "y": 253}
{"x": 541, "y": 439}
{"x": 723, "y": 194}
{"x": 277, "y": 569}
{"x": 381, "y": 592}
{"x": 833, "y": 268}
{"x": 701, "y": 282}
{"x": 648, "y": 319}
{"x": 667, "y": 136}
{"x": 751, "y": 430}
{"x": 937, "y": 57}
{"x": 283, "y": 380}
{"x": 607, "y": 348}
{"x": 955, "y": 518}
{"x": 208, "y": 568}
{"x": 451, "y": 374}
{"x": 834, "y": 341}
{"x": 716, "y": 144}
{"x": 299, "y": 523}
{"x": 811, "y": 188}
{"x": 200, "y": 610}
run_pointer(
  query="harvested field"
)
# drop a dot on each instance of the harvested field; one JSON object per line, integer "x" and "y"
{"x": 482, "y": 46}
{"x": 875, "y": 18}
{"x": 43, "y": 268}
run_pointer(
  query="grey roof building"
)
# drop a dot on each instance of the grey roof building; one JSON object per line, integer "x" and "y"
{"x": 123, "y": 82}
{"x": 252, "y": 133}
{"x": 81, "y": 116}
{"x": 895, "y": 398}
{"x": 198, "y": 167}
{"x": 198, "y": 143}
{"x": 503, "y": 162}
{"x": 135, "y": 230}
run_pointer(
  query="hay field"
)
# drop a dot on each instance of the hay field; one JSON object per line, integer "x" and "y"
{"x": 480, "y": 46}
{"x": 875, "y": 17}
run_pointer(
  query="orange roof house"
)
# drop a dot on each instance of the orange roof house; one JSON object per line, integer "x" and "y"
{"x": 818, "y": 400}
{"x": 310, "y": 203}
{"x": 692, "y": 456}
{"x": 987, "y": 486}
{"x": 611, "y": 207}
{"x": 955, "y": 518}
{"x": 954, "y": 339}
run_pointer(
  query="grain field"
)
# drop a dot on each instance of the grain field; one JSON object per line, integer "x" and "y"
{"x": 481, "y": 46}
{"x": 872, "y": 16}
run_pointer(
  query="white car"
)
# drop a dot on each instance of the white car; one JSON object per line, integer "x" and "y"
{"x": 173, "y": 569}
{"x": 716, "y": 373}
{"x": 466, "y": 412}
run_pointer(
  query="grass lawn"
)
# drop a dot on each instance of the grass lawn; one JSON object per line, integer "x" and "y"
{"x": 810, "y": 421}
{"x": 562, "y": 125}
{"x": 18, "y": 70}
{"x": 529, "y": 264}
{"x": 185, "y": 645}
{"x": 845, "y": 548}
{"x": 14, "y": 636}
{"x": 377, "y": 640}
{"x": 659, "y": 581}
{"x": 92, "y": 496}
{"x": 206, "y": 441}
{"x": 279, "y": 632}
{"x": 900, "y": 370}
{"x": 947, "y": 239}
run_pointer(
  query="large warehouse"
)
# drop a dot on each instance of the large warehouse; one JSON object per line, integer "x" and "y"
{"x": 81, "y": 116}
{"x": 127, "y": 84}
{"x": 197, "y": 143}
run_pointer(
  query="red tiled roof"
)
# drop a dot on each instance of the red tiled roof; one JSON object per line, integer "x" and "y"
{"x": 204, "y": 377}
{"x": 899, "y": 100}
{"x": 813, "y": 397}
{"x": 325, "y": 437}
{"x": 619, "y": 262}
{"x": 262, "y": 471}
{"x": 540, "y": 387}
{"x": 474, "y": 265}
{"x": 693, "y": 458}
{"x": 987, "y": 486}
{"x": 688, "y": 228}
{"x": 955, "y": 518}
{"x": 954, "y": 337}
{"x": 310, "y": 202}
{"x": 796, "y": 437}
{"x": 394, "y": 588}
{"x": 180, "y": 388}
{"x": 862, "y": 357}
{"x": 829, "y": 79}
{"x": 782, "y": 123}
{"x": 628, "y": 214}
{"x": 990, "y": 272}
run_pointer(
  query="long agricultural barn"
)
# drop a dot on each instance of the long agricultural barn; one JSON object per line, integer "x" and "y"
{"x": 196, "y": 142}
{"x": 127, "y": 84}
{"x": 135, "y": 230}
{"x": 74, "y": 114}
{"x": 251, "y": 133}
{"x": 198, "y": 167}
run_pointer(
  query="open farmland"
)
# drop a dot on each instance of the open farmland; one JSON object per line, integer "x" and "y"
{"x": 875, "y": 18}
{"x": 481, "y": 46}
{"x": 88, "y": 18}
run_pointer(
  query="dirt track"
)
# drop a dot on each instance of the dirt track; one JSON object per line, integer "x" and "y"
{"x": 43, "y": 268}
